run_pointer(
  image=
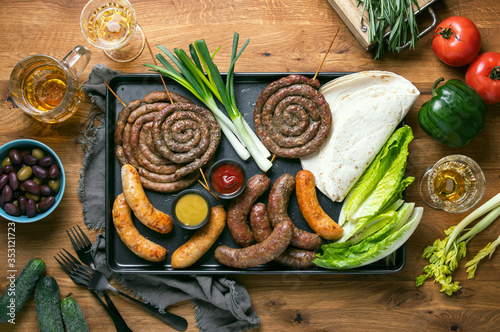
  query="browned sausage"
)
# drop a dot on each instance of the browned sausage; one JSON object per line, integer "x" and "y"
{"x": 291, "y": 117}
{"x": 139, "y": 203}
{"x": 181, "y": 131}
{"x": 312, "y": 212}
{"x": 240, "y": 208}
{"x": 277, "y": 210}
{"x": 125, "y": 228}
{"x": 259, "y": 253}
{"x": 122, "y": 119}
{"x": 170, "y": 187}
{"x": 259, "y": 220}
{"x": 291, "y": 257}
{"x": 296, "y": 258}
{"x": 187, "y": 254}
{"x": 157, "y": 96}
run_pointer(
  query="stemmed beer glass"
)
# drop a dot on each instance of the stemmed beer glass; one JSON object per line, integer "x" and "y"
{"x": 111, "y": 25}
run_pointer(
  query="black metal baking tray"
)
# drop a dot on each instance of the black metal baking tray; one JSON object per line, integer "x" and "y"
{"x": 120, "y": 259}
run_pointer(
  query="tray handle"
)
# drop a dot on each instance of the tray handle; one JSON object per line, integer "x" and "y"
{"x": 421, "y": 34}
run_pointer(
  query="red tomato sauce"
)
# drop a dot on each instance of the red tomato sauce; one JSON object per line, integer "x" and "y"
{"x": 227, "y": 179}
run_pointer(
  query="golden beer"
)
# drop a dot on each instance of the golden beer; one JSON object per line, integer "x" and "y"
{"x": 44, "y": 87}
{"x": 111, "y": 25}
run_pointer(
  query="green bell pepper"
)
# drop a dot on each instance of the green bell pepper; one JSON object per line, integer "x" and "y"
{"x": 455, "y": 115}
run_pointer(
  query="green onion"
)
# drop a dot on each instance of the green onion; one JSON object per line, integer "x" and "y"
{"x": 202, "y": 78}
{"x": 444, "y": 254}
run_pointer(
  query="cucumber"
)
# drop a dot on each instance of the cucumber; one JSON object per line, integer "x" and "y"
{"x": 17, "y": 293}
{"x": 48, "y": 305}
{"x": 72, "y": 315}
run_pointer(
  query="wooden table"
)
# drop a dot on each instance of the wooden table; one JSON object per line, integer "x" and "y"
{"x": 286, "y": 36}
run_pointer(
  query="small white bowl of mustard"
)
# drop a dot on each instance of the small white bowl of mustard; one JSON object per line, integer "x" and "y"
{"x": 191, "y": 209}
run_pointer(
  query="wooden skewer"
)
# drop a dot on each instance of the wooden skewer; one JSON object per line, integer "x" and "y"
{"x": 161, "y": 76}
{"x": 324, "y": 58}
{"x": 205, "y": 185}
{"x": 272, "y": 159}
{"x": 204, "y": 178}
{"x": 114, "y": 94}
{"x": 208, "y": 189}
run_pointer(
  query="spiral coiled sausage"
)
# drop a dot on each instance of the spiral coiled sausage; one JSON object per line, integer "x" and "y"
{"x": 134, "y": 138}
{"x": 291, "y": 117}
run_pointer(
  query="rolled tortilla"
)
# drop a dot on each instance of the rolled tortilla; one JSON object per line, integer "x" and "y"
{"x": 366, "y": 108}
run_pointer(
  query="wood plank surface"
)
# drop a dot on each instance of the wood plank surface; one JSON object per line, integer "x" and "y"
{"x": 286, "y": 36}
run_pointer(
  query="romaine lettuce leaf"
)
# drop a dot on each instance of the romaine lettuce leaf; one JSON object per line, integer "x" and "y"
{"x": 380, "y": 186}
{"x": 374, "y": 216}
{"x": 372, "y": 248}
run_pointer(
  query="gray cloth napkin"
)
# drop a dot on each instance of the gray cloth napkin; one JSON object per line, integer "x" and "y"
{"x": 220, "y": 304}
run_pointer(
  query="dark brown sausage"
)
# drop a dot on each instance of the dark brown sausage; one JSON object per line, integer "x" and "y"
{"x": 122, "y": 119}
{"x": 239, "y": 209}
{"x": 291, "y": 257}
{"x": 259, "y": 220}
{"x": 134, "y": 138}
{"x": 259, "y": 253}
{"x": 296, "y": 258}
{"x": 291, "y": 117}
{"x": 277, "y": 210}
{"x": 166, "y": 128}
{"x": 164, "y": 96}
{"x": 170, "y": 187}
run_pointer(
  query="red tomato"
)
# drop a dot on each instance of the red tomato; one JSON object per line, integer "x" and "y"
{"x": 456, "y": 41}
{"x": 484, "y": 76}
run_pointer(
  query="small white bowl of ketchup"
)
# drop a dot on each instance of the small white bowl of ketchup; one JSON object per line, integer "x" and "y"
{"x": 227, "y": 178}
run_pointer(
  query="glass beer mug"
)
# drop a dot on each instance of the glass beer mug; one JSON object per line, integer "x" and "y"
{"x": 48, "y": 89}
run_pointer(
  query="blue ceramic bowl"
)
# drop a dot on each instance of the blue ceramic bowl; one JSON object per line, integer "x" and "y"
{"x": 28, "y": 144}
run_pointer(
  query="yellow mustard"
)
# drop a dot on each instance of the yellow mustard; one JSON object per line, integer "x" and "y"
{"x": 191, "y": 209}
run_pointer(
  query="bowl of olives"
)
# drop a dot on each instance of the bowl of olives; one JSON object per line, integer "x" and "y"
{"x": 32, "y": 181}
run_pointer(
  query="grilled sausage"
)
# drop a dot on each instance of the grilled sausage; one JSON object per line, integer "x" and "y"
{"x": 240, "y": 208}
{"x": 135, "y": 143}
{"x": 291, "y": 117}
{"x": 277, "y": 210}
{"x": 312, "y": 212}
{"x": 291, "y": 257}
{"x": 158, "y": 96}
{"x": 139, "y": 203}
{"x": 259, "y": 220}
{"x": 138, "y": 244}
{"x": 259, "y": 253}
{"x": 122, "y": 119}
{"x": 296, "y": 258}
{"x": 187, "y": 254}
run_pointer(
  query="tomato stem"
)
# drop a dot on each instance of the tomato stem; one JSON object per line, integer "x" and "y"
{"x": 495, "y": 73}
{"x": 446, "y": 33}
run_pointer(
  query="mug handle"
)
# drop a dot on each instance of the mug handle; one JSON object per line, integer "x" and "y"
{"x": 77, "y": 59}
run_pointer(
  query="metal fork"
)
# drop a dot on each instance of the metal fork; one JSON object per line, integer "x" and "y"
{"x": 95, "y": 280}
{"x": 120, "y": 324}
{"x": 82, "y": 246}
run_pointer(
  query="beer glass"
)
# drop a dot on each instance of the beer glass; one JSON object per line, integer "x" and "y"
{"x": 48, "y": 89}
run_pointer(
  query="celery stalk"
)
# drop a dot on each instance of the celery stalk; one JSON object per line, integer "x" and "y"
{"x": 445, "y": 254}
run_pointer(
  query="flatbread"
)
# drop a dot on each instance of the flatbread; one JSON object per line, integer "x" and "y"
{"x": 366, "y": 108}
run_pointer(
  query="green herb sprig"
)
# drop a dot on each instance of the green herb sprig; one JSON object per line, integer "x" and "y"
{"x": 396, "y": 15}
